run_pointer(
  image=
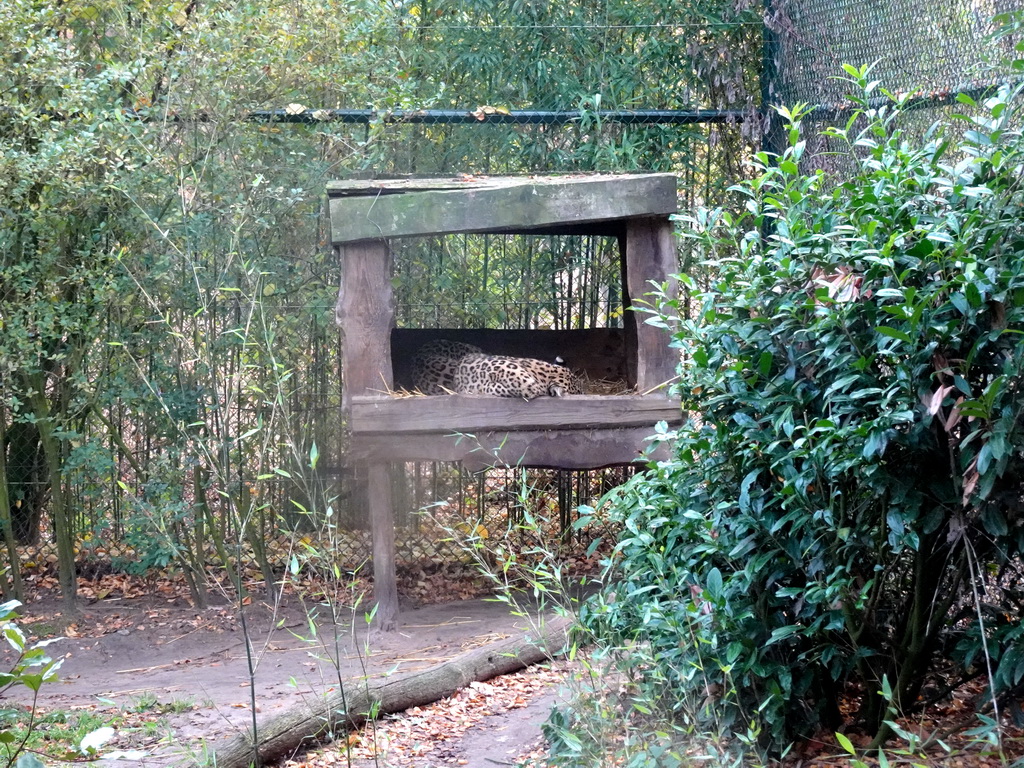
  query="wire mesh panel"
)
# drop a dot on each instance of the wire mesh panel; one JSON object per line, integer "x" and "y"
{"x": 918, "y": 46}
{"x": 930, "y": 50}
{"x": 506, "y": 282}
{"x": 442, "y": 507}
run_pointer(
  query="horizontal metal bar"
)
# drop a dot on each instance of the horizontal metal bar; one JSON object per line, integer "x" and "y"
{"x": 499, "y": 117}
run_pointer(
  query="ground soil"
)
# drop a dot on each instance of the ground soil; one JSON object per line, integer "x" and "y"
{"x": 186, "y": 670}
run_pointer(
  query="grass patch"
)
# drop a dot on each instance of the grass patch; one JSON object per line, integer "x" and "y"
{"x": 55, "y": 734}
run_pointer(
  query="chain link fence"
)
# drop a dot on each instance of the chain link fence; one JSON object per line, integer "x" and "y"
{"x": 917, "y": 46}
{"x": 933, "y": 51}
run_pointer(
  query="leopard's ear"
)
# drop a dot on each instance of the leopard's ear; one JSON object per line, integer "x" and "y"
{"x": 554, "y": 390}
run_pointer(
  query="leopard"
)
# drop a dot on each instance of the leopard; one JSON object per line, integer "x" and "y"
{"x": 434, "y": 365}
{"x": 523, "y": 377}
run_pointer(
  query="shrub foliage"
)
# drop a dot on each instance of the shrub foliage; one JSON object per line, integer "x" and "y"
{"x": 842, "y": 512}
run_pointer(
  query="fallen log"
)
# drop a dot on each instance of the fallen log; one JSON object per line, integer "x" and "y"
{"x": 304, "y": 725}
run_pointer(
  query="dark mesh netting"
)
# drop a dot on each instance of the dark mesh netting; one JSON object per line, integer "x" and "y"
{"x": 933, "y": 48}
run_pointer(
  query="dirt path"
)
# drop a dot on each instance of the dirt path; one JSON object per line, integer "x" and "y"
{"x": 189, "y": 667}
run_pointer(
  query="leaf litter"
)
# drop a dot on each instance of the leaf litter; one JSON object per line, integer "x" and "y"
{"x": 407, "y": 738}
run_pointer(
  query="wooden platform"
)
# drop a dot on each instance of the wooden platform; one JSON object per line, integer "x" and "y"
{"x": 575, "y": 432}
{"x": 634, "y": 208}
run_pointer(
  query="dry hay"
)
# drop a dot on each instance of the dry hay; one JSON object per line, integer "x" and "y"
{"x": 605, "y": 386}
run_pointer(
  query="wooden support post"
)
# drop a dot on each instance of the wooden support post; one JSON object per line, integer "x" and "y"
{"x": 629, "y": 319}
{"x": 366, "y": 313}
{"x": 651, "y": 255}
{"x": 382, "y": 526}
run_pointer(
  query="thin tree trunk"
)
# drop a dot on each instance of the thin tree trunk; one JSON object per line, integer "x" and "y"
{"x": 60, "y": 511}
{"x": 200, "y": 514}
{"x": 11, "y": 582}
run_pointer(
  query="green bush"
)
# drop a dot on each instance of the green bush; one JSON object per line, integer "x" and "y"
{"x": 843, "y": 509}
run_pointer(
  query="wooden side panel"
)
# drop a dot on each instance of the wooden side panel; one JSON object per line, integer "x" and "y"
{"x": 366, "y": 313}
{"x": 446, "y": 414}
{"x": 651, "y": 256}
{"x": 514, "y": 205}
{"x": 578, "y": 449}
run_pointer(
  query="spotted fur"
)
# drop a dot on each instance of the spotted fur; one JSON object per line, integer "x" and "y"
{"x": 435, "y": 363}
{"x": 524, "y": 377}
